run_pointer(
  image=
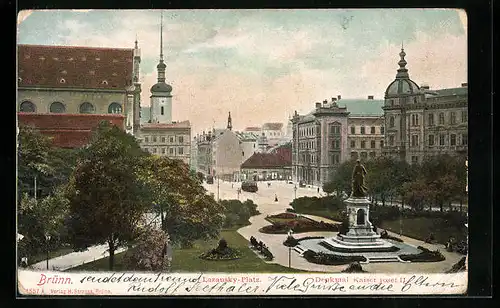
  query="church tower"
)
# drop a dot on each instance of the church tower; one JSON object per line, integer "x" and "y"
{"x": 403, "y": 112}
{"x": 137, "y": 89}
{"x": 161, "y": 98}
{"x": 229, "y": 122}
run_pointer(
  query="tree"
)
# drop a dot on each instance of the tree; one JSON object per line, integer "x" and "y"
{"x": 341, "y": 180}
{"x": 107, "y": 200}
{"x": 186, "y": 211}
{"x": 149, "y": 253}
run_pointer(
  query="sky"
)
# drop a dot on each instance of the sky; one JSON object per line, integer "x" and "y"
{"x": 262, "y": 65}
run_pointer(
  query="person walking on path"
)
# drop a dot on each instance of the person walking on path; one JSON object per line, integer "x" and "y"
{"x": 275, "y": 198}
{"x": 318, "y": 190}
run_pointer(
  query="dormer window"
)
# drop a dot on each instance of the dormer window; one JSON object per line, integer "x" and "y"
{"x": 105, "y": 82}
{"x": 98, "y": 59}
{"x": 62, "y": 80}
{"x": 115, "y": 61}
{"x": 55, "y": 59}
{"x": 114, "y": 74}
{"x": 70, "y": 59}
{"x": 27, "y": 56}
{"x": 19, "y": 79}
{"x": 92, "y": 72}
{"x": 64, "y": 72}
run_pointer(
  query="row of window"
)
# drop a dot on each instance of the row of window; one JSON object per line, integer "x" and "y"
{"x": 58, "y": 107}
{"x": 436, "y": 140}
{"x": 162, "y": 139}
{"x": 430, "y": 119}
{"x": 363, "y": 144}
{"x": 363, "y": 130}
{"x": 170, "y": 151}
{"x": 363, "y": 155}
{"x": 307, "y": 131}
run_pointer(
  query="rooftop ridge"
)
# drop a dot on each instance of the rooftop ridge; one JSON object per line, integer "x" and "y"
{"x": 74, "y": 47}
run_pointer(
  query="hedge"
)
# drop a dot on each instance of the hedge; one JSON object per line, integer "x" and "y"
{"x": 330, "y": 259}
{"x": 425, "y": 256}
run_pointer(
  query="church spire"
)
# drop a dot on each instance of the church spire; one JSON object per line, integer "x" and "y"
{"x": 402, "y": 71}
{"x": 161, "y": 65}
{"x": 229, "y": 122}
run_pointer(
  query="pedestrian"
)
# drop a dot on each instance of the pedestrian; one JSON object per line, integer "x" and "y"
{"x": 275, "y": 198}
{"x": 318, "y": 190}
{"x": 232, "y": 185}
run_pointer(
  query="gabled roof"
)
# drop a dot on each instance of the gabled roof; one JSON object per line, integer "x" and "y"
{"x": 272, "y": 126}
{"x": 75, "y": 67}
{"x": 451, "y": 91}
{"x": 267, "y": 161}
{"x": 357, "y": 107}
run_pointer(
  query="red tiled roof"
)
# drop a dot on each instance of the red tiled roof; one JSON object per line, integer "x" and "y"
{"x": 267, "y": 161}
{"x": 80, "y": 67}
{"x": 68, "y": 130}
{"x": 183, "y": 124}
{"x": 272, "y": 126}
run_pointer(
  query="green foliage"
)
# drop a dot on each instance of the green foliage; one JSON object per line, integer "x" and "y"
{"x": 238, "y": 213}
{"x": 107, "y": 199}
{"x": 330, "y": 259}
{"x": 221, "y": 253}
{"x": 310, "y": 205}
{"x": 425, "y": 256}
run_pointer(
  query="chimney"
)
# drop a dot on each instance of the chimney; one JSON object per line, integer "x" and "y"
{"x": 334, "y": 99}
{"x": 370, "y": 96}
{"x": 318, "y": 105}
{"x": 464, "y": 85}
{"x": 339, "y": 97}
{"x": 325, "y": 102}
{"x": 425, "y": 87}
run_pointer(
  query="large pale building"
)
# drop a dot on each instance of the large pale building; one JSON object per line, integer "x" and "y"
{"x": 421, "y": 122}
{"x": 62, "y": 84}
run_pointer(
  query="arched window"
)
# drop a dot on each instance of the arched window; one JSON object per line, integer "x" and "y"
{"x": 115, "y": 108}
{"x": 87, "y": 108}
{"x": 57, "y": 107}
{"x": 27, "y": 106}
{"x": 360, "y": 219}
{"x": 162, "y": 110}
{"x": 391, "y": 122}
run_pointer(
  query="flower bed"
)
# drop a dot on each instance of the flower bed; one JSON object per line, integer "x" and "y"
{"x": 221, "y": 253}
{"x": 330, "y": 259}
{"x": 292, "y": 242}
{"x": 284, "y": 215}
{"x": 299, "y": 225}
{"x": 425, "y": 256}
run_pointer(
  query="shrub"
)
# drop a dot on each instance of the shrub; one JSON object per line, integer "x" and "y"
{"x": 222, "y": 245}
{"x": 354, "y": 267}
{"x": 222, "y": 252}
{"x": 330, "y": 259}
{"x": 425, "y": 256}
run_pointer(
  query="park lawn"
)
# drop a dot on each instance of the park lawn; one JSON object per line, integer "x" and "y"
{"x": 326, "y": 213}
{"x": 420, "y": 228}
{"x": 187, "y": 260}
{"x": 52, "y": 254}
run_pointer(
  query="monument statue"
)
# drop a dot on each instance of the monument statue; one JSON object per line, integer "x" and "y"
{"x": 358, "y": 181}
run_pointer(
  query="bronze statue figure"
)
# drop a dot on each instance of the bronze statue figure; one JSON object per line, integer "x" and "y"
{"x": 358, "y": 181}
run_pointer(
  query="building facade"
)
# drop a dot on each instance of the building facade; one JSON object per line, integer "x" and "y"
{"x": 420, "y": 122}
{"x": 275, "y": 165}
{"x": 319, "y": 142}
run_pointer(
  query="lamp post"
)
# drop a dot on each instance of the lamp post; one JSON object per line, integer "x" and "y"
{"x": 295, "y": 191}
{"x": 47, "y": 239}
{"x": 289, "y": 249}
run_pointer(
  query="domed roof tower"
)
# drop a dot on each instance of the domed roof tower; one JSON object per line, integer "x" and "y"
{"x": 402, "y": 85}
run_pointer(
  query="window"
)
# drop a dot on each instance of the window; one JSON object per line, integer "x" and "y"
{"x": 171, "y": 151}
{"x": 335, "y": 159}
{"x": 154, "y": 139}
{"x": 414, "y": 159}
{"x": 353, "y": 143}
{"x": 104, "y": 82}
{"x": 180, "y": 151}
{"x": 364, "y": 155}
{"x": 146, "y": 139}
{"x": 441, "y": 118}
{"x": 372, "y": 154}
{"x": 62, "y": 80}
{"x": 414, "y": 140}
{"x": 57, "y": 107}
{"x": 87, "y": 108}
{"x": 464, "y": 116}
{"x": 431, "y": 119}
{"x": 382, "y": 130}
{"x": 381, "y": 143}
{"x": 453, "y": 139}
{"x": 362, "y": 130}
{"x": 415, "y": 100}
{"x": 363, "y": 144}
{"x": 171, "y": 139}
{"x": 391, "y": 122}
{"x": 154, "y": 150}
{"x": 162, "y": 150}
{"x": 372, "y": 130}
{"x": 27, "y": 106}
{"x": 181, "y": 139}
{"x": 353, "y": 130}
{"x": 391, "y": 140}
{"x": 334, "y": 129}
{"x": 441, "y": 139}
{"x": 162, "y": 110}
{"x": 372, "y": 144}
{"x": 453, "y": 118}
{"x": 431, "y": 140}
{"x": 414, "y": 119}
{"x": 163, "y": 139}
{"x": 336, "y": 144}
{"x": 465, "y": 139}
{"x": 115, "y": 108}
{"x": 354, "y": 155}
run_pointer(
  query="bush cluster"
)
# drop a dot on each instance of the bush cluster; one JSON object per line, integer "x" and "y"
{"x": 330, "y": 259}
{"x": 261, "y": 248}
{"x": 238, "y": 213}
{"x": 284, "y": 216}
{"x": 299, "y": 226}
{"x": 354, "y": 267}
{"x": 221, "y": 253}
{"x": 425, "y": 256}
{"x": 312, "y": 204}
{"x": 292, "y": 242}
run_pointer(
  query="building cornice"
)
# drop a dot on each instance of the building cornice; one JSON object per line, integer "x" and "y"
{"x": 72, "y": 89}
